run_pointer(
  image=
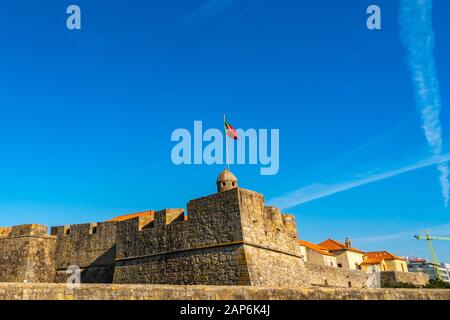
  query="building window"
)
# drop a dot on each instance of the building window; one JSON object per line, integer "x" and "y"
{"x": 349, "y": 284}
{"x": 94, "y": 230}
{"x": 340, "y": 265}
{"x": 403, "y": 268}
{"x": 67, "y": 231}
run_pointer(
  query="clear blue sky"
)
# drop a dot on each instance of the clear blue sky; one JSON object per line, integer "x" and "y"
{"x": 86, "y": 116}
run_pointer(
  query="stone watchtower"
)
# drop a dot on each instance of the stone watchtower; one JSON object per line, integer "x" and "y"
{"x": 226, "y": 181}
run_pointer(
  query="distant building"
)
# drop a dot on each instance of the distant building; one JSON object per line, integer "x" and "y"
{"x": 317, "y": 254}
{"x": 446, "y": 266}
{"x": 423, "y": 265}
{"x": 383, "y": 261}
{"x": 346, "y": 256}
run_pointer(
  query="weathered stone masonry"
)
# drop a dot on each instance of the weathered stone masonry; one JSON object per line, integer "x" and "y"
{"x": 26, "y": 254}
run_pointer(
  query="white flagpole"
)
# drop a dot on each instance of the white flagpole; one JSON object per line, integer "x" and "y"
{"x": 226, "y": 142}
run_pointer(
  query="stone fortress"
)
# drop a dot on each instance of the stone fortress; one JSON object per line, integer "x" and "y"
{"x": 227, "y": 238}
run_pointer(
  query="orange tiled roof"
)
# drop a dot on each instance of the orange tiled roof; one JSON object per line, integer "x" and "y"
{"x": 314, "y": 247}
{"x": 333, "y": 245}
{"x": 133, "y": 215}
{"x": 377, "y": 257}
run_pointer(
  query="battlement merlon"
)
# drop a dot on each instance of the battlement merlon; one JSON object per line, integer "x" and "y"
{"x": 249, "y": 205}
{"x": 167, "y": 216}
{"x": 290, "y": 225}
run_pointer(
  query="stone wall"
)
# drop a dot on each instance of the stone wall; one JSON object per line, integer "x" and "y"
{"x": 20, "y": 291}
{"x": 204, "y": 227}
{"x": 26, "y": 254}
{"x": 391, "y": 278}
{"x": 229, "y": 238}
{"x": 205, "y": 248}
{"x": 325, "y": 276}
{"x": 91, "y": 247}
{"x": 271, "y": 248}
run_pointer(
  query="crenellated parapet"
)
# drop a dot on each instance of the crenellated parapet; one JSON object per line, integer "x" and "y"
{"x": 209, "y": 222}
{"x": 94, "y": 229}
{"x": 290, "y": 226}
{"x": 204, "y": 246}
{"x": 168, "y": 216}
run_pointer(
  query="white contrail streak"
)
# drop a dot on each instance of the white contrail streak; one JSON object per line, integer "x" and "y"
{"x": 418, "y": 38}
{"x": 317, "y": 190}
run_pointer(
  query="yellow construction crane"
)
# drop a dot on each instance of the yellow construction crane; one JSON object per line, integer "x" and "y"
{"x": 434, "y": 257}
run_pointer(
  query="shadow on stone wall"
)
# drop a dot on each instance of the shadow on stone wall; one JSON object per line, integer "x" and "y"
{"x": 101, "y": 270}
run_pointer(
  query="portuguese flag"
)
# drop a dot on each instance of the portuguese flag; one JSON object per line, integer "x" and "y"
{"x": 230, "y": 130}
